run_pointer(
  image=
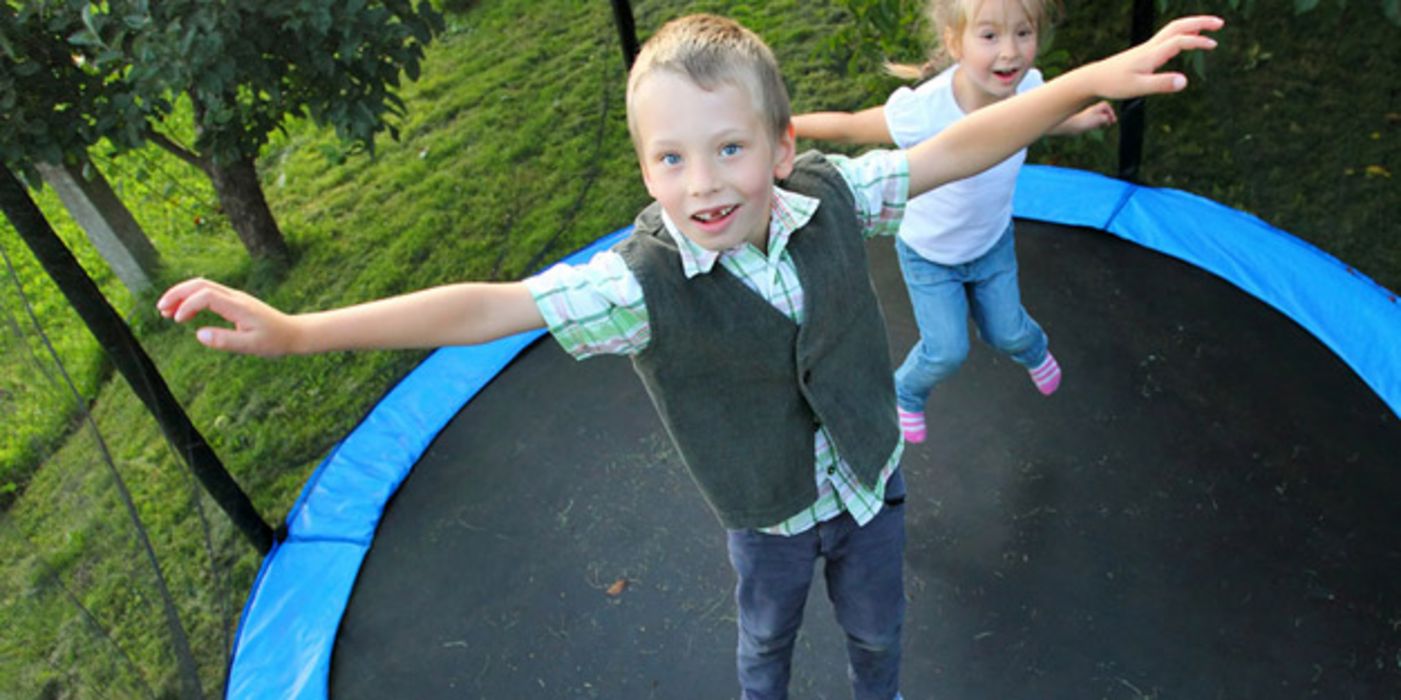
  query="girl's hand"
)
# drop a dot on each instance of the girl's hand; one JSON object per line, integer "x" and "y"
{"x": 258, "y": 329}
{"x": 1096, "y": 116}
{"x": 1131, "y": 73}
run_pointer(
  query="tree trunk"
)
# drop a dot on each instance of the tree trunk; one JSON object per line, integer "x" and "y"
{"x": 241, "y": 196}
{"x": 107, "y": 221}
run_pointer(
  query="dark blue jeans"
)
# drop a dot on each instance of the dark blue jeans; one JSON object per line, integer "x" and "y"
{"x": 864, "y": 571}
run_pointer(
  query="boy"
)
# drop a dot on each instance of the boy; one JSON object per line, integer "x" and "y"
{"x": 785, "y": 420}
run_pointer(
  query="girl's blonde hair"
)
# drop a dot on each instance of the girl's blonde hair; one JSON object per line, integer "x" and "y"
{"x": 953, "y": 16}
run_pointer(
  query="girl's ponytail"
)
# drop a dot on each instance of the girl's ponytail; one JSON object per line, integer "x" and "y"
{"x": 914, "y": 73}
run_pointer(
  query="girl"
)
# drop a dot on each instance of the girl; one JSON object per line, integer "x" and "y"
{"x": 956, "y": 244}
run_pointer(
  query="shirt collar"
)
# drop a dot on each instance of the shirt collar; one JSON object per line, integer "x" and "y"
{"x": 791, "y": 211}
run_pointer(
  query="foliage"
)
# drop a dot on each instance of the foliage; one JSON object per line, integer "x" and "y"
{"x": 1391, "y": 9}
{"x": 115, "y": 70}
{"x": 879, "y": 31}
{"x": 53, "y": 102}
{"x": 248, "y": 67}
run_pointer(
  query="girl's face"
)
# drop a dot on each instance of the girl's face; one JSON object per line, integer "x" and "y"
{"x": 995, "y": 50}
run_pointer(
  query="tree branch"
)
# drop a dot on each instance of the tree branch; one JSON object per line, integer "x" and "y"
{"x": 176, "y": 149}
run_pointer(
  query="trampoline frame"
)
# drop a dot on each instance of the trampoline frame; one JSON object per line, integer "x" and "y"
{"x": 287, "y": 631}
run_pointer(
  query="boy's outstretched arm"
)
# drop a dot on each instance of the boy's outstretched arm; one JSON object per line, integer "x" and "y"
{"x": 867, "y": 126}
{"x": 455, "y": 314}
{"x": 989, "y": 135}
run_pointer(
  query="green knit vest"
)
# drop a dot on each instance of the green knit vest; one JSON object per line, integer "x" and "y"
{"x": 742, "y": 389}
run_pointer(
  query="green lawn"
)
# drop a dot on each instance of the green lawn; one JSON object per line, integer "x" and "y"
{"x": 514, "y": 152}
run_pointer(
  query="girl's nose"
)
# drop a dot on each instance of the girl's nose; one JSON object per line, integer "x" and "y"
{"x": 1007, "y": 48}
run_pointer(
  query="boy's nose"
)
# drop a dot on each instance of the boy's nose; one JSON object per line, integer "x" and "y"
{"x": 702, "y": 179}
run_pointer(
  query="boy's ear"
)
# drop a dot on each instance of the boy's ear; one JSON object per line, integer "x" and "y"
{"x": 646, "y": 176}
{"x": 784, "y": 152}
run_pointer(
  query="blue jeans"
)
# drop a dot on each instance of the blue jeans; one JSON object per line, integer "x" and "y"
{"x": 943, "y": 297}
{"x": 864, "y": 572}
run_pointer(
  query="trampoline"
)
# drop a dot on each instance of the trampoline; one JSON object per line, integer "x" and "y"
{"x": 1207, "y": 508}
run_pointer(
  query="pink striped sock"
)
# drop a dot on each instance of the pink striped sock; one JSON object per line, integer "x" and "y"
{"x": 1046, "y": 376}
{"x": 911, "y": 424}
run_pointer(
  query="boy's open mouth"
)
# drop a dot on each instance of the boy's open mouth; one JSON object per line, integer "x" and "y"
{"x": 1005, "y": 73}
{"x": 710, "y": 216}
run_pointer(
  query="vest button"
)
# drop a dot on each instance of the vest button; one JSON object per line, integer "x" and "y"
{"x": 831, "y": 470}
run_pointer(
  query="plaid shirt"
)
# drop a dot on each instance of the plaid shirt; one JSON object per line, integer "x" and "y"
{"x": 597, "y": 308}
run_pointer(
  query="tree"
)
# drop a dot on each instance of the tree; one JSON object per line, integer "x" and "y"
{"x": 46, "y": 99}
{"x": 48, "y": 102}
{"x": 245, "y": 68}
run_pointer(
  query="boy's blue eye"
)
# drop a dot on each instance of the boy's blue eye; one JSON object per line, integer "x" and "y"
{"x": 670, "y": 159}
{"x": 730, "y": 149}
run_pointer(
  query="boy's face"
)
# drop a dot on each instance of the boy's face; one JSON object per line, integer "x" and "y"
{"x": 995, "y": 51}
{"x": 708, "y": 157}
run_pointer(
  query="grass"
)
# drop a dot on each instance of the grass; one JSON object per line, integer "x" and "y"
{"x": 515, "y": 152}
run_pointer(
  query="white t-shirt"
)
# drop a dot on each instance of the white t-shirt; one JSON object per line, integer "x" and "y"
{"x": 959, "y": 221}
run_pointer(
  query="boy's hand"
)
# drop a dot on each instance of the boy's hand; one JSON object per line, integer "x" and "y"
{"x": 258, "y": 328}
{"x": 1131, "y": 73}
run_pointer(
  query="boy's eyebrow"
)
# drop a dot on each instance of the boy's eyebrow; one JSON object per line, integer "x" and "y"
{"x": 728, "y": 135}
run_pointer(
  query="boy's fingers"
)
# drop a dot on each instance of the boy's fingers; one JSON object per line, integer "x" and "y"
{"x": 174, "y": 298}
{"x": 193, "y": 301}
{"x": 215, "y": 299}
{"x": 213, "y": 337}
{"x": 1167, "y": 50}
{"x": 228, "y": 304}
{"x": 1166, "y": 82}
{"x": 1192, "y": 25}
{"x": 225, "y": 339}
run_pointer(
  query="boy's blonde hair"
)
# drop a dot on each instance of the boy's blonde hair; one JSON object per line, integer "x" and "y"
{"x": 712, "y": 51}
{"x": 953, "y": 16}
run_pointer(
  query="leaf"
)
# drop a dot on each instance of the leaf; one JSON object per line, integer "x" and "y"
{"x": 1370, "y": 171}
{"x": 617, "y": 588}
{"x": 90, "y": 23}
{"x": 83, "y": 37}
{"x": 1302, "y": 6}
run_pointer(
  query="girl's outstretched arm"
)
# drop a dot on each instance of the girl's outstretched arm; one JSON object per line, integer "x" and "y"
{"x": 1096, "y": 116}
{"x": 991, "y": 134}
{"x": 456, "y": 314}
{"x": 867, "y": 126}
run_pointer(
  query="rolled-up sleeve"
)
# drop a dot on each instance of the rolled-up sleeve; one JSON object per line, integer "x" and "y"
{"x": 880, "y": 182}
{"x": 593, "y": 309}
